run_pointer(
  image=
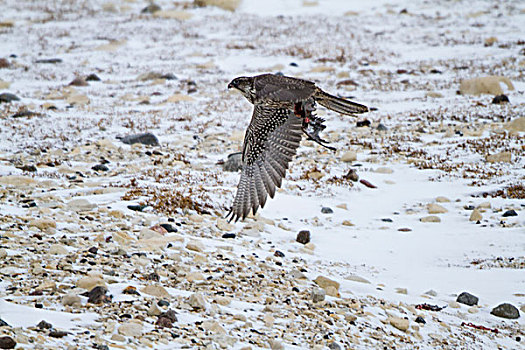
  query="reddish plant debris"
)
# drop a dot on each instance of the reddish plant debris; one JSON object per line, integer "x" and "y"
{"x": 494, "y": 330}
{"x": 404, "y": 229}
{"x": 429, "y": 307}
{"x": 367, "y": 184}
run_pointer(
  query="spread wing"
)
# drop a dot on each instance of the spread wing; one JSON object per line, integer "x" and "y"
{"x": 271, "y": 141}
{"x": 283, "y": 89}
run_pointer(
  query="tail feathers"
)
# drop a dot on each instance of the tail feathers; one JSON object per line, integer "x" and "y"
{"x": 339, "y": 105}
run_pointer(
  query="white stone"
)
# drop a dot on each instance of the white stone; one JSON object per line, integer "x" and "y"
{"x": 434, "y": 208}
{"x": 80, "y": 204}
{"x": 196, "y": 246}
{"x": 399, "y": 323}
{"x": 131, "y": 329}
{"x": 57, "y": 249}
{"x": 349, "y": 156}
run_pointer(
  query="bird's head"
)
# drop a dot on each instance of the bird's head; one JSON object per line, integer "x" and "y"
{"x": 244, "y": 85}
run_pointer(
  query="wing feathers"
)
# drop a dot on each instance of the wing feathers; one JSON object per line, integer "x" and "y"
{"x": 267, "y": 154}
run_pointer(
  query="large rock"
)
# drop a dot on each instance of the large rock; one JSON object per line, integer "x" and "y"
{"x": 146, "y": 139}
{"x": 131, "y": 329}
{"x": 57, "y": 249}
{"x": 349, "y": 157}
{"x": 303, "y": 237}
{"x": 399, "y": 323}
{"x": 80, "y": 204}
{"x": 7, "y": 342}
{"x": 197, "y": 301}
{"x": 90, "y": 282}
{"x": 43, "y": 224}
{"x": 156, "y": 291}
{"x": 467, "y": 299}
{"x": 475, "y": 215}
{"x": 318, "y": 295}
{"x": 506, "y": 310}
{"x": 434, "y": 208}
{"x": 325, "y": 282}
{"x": 485, "y": 85}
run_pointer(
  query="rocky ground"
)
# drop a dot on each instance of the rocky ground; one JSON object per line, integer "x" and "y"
{"x": 110, "y": 238}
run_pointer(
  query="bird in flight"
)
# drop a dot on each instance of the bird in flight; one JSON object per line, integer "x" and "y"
{"x": 283, "y": 110}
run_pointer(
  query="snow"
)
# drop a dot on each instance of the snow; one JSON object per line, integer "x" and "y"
{"x": 378, "y": 41}
{"x": 23, "y": 316}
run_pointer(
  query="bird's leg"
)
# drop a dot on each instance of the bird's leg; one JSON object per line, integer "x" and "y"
{"x": 313, "y": 125}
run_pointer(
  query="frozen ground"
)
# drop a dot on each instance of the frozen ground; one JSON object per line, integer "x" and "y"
{"x": 426, "y": 144}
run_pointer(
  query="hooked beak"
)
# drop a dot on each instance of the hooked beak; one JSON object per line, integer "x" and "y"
{"x": 230, "y": 86}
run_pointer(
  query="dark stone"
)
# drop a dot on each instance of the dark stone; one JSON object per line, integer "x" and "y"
{"x": 363, "y": 123}
{"x": 136, "y": 207}
{"x": 30, "y": 168}
{"x": 228, "y": 235}
{"x": 467, "y": 299}
{"x": 92, "y": 77}
{"x": 334, "y": 346}
{"x": 4, "y": 63}
{"x": 326, "y": 210}
{"x": 421, "y": 320}
{"x": 500, "y": 99}
{"x": 58, "y": 334}
{"x": 98, "y": 295}
{"x": 163, "y": 303}
{"x": 233, "y": 163}
{"x": 169, "y": 228}
{"x": 382, "y": 127}
{"x": 170, "y": 314}
{"x": 4, "y": 323}
{"x": 7, "y": 343}
{"x": 44, "y": 325}
{"x": 508, "y": 213}
{"x": 8, "y": 97}
{"x": 163, "y": 322}
{"x": 39, "y": 306}
{"x": 153, "y": 277}
{"x": 100, "y": 347}
{"x": 435, "y": 71}
{"x": 93, "y": 250}
{"x": 130, "y": 291}
{"x": 151, "y": 8}
{"x": 278, "y": 254}
{"x": 469, "y": 207}
{"x": 100, "y": 167}
{"x": 146, "y": 139}
{"x": 293, "y": 64}
{"x": 351, "y": 175}
{"x": 50, "y": 60}
{"x": 303, "y": 237}
{"x": 506, "y": 310}
{"x": 24, "y": 114}
{"x": 387, "y": 220}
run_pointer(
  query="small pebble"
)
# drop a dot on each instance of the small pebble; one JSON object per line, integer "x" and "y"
{"x": 500, "y": 99}
{"x": 508, "y": 213}
{"x": 326, "y": 210}
{"x": 303, "y": 237}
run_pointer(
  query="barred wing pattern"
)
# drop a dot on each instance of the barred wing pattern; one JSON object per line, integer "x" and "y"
{"x": 271, "y": 141}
